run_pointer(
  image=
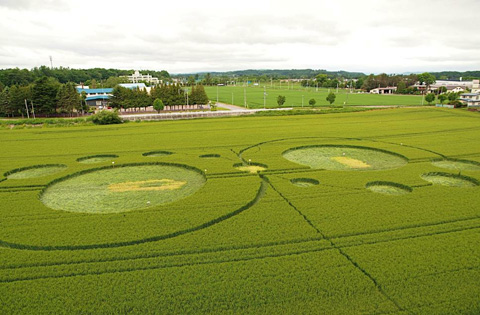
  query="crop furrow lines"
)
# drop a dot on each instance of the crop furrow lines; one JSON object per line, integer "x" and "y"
{"x": 173, "y": 265}
{"x": 344, "y": 254}
{"x": 233, "y": 248}
{"x": 434, "y": 274}
{"x": 402, "y": 238}
{"x": 405, "y": 227}
{"x": 25, "y": 186}
{"x": 169, "y": 254}
{"x": 292, "y": 206}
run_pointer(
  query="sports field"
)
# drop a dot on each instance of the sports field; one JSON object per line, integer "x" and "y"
{"x": 374, "y": 212}
{"x": 254, "y": 96}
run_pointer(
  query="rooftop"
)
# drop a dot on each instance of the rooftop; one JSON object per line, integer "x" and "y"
{"x": 93, "y": 91}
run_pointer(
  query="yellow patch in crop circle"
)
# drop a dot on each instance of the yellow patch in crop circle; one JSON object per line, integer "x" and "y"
{"x": 147, "y": 185}
{"x": 352, "y": 163}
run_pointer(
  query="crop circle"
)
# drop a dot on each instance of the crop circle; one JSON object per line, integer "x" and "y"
{"x": 460, "y": 165}
{"x": 304, "y": 182}
{"x": 122, "y": 188}
{"x": 157, "y": 153}
{"x": 344, "y": 158}
{"x": 35, "y": 171}
{"x": 250, "y": 167}
{"x": 209, "y": 156}
{"x": 388, "y": 188}
{"x": 93, "y": 159}
{"x": 448, "y": 179}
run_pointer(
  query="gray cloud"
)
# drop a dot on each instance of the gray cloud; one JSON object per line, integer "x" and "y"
{"x": 32, "y": 4}
{"x": 372, "y": 35}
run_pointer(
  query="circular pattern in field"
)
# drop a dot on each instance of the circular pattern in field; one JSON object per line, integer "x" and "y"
{"x": 157, "y": 153}
{"x": 122, "y": 188}
{"x": 448, "y": 179}
{"x": 388, "y": 188}
{"x": 209, "y": 156}
{"x": 35, "y": 171}
{"x": 251, "y": 167}
{"x": 460, "y": 165}
{"x": 345, "y": 158}
{"x": 93, "y": 159}
{"x": 304, "y": 182}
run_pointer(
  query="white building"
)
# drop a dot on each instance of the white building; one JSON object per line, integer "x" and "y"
{"x": 385, "y": 90}
{"x": 137, "y": 77}
{"x": 472, "y": 99}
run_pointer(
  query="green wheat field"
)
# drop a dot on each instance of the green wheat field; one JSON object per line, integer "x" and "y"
{"x": 375, "y": 212}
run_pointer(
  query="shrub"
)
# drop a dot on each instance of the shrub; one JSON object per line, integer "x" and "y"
{"x": 106, "y": 117}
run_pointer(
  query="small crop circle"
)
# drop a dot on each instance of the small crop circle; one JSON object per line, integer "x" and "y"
{"x": 35, "y": 171}
{"x": 250, "y": 167}
{"x": 209, "y": 156}
{"x": 157, "y": 153}
{"x": 93, "y": 159}
{"x": 122, "y": 188}
{"x": 345, "y": 158}
{"x": 460, "y": 165}
{"x": 388, "y": 188}
{"x": 304, "y": 182}
{"x": 451, "y": 180}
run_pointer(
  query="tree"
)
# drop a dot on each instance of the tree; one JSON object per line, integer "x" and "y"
{"x": 191, "y": 80}
{"x": 426, "y": 78}
{"x": 312, "y": 102}
{"x": 68, "y": 99}
{"x": 281, "y": 100}
{"x": 331, "y": 98}
{"x": 401, "y": 87}
{"x": 120, "y": 97}
{"x": 452, "y": 96}
{"x": 442, "y": 89}
{"x": 158, "y": 105}
{"x": 106, "y": 117}
{"x": 442, "y": 98}
{"x": 44, "y": 95}
{"x": 198, "y": 95}
{"x": 430, "y": 97}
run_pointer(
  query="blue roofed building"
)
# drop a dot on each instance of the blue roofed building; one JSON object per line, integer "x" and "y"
{"x": 96, "y": 97}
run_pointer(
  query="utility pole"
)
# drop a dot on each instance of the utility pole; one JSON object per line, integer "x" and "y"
{"x": 245, "y": 97}
{"x": 302, "y": 100}
{"x": 264, "y": 97}
{"x": 26, "y": 107}
{"x": 217, "y": 93}
{"x": 33, "y": 110}
{"x": 51, "y": 62}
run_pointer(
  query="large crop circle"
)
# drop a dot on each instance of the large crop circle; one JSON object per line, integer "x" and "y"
{"x": 344, "y": 158}
{"x": 122, "y": 188}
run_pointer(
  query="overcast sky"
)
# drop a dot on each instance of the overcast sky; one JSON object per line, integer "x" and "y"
{"x": 210, "y": 35}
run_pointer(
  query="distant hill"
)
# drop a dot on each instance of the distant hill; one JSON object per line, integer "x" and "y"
{"x": 279, "y": 73}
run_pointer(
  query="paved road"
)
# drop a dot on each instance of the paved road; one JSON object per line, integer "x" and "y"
{"x": 231, "y": 107}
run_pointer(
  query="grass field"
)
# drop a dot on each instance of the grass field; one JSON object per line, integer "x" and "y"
{"x": 200, "y": 232}
{"x": 254, "y": 96}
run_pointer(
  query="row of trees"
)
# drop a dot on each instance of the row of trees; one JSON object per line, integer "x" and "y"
{"x": 452, "y": 98}
{"x": 16, "y": 76}
{"x": 330, "y": 98}
{"x": 44, "y": 97}
{"x": 172, "y": 94}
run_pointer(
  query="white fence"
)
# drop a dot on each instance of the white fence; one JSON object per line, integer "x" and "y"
{"x": 193, "y": 115}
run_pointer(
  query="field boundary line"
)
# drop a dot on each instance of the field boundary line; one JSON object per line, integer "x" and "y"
{"x": 344, "y": 254}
